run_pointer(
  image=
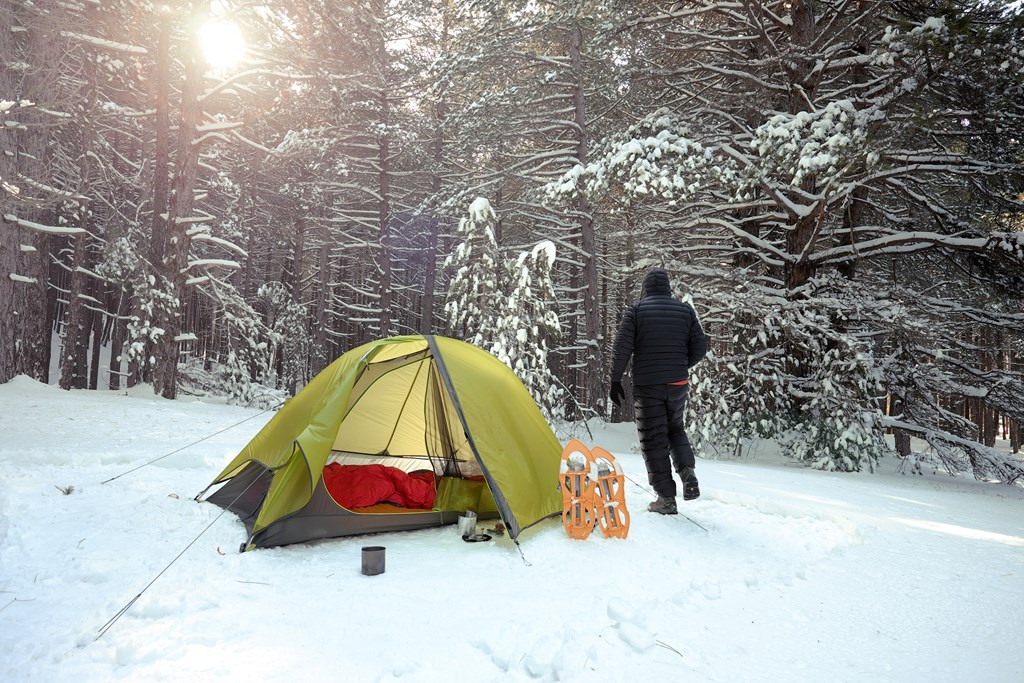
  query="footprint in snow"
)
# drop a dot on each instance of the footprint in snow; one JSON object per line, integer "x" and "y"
{"x": 625, "y": 621}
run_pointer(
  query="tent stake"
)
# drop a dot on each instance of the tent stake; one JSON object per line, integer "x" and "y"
{"x": 520, "y": 549}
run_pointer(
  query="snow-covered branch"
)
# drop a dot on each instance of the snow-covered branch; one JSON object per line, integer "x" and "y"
{"x": 901, "y": 243}
{"x": 105, "y": 44}
{"x": 49, "y": 229}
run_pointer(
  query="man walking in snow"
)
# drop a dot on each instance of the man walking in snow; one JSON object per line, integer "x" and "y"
{"x": 664, "y": 337}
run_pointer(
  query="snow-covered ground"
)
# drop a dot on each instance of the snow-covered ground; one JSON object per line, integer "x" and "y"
{"x": 800, "y": 576}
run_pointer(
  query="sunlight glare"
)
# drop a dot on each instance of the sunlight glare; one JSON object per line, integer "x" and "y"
{"x": 223, "y": 45}
{"x": 961, "y": 531}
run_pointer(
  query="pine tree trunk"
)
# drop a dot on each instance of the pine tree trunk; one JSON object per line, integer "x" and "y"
{"x": 76, "y": 329}
{"x": 902, "y": 441}
{"x": 434, "y": 225}
{"x": 182, "y": 199}
{"x": 24, "y": 252}
{"x": 798, "y": 269}
{"x": 162, "y": 151}
{"x": 74, "y": 364}
{"x": 384, "y": 219}
{"x": 625, "y": 412}
{"x": 384, "y": 171}
{"x": 97, "y": 346}
{"x": 593, "y": 367}
{"x": 294, "y": 281}
{"x": 117, "y": 338}
{"x": 319, "y": 351}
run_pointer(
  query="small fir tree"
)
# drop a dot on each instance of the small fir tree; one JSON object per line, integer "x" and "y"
{"x": 525, "y": 325}
{"x": 514, "y": 325}
{"x": 474, "y": 295}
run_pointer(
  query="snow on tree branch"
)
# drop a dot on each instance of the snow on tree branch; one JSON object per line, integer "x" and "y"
{"x": 105, "y": 44}
{"x": 50, "y": 229}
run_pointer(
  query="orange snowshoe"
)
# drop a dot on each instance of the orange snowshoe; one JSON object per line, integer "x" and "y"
{"x": 579, "y": 490}
{"x": 611, "y": 492}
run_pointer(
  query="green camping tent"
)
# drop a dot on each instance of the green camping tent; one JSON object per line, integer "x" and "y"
{"x": 412, "y": 403}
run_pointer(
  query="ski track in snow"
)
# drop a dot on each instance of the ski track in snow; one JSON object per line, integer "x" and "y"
{"x": 800, "y": 576}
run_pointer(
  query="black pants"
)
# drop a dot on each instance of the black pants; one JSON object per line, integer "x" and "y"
{"x": 659, "y": 421}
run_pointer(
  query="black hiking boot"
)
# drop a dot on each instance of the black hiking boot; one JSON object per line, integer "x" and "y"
{"x": 664, "y": 506}
{"x": 690, "y": 488}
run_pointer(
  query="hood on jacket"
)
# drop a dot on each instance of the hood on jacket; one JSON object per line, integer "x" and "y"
{"x": 656, "y": 282}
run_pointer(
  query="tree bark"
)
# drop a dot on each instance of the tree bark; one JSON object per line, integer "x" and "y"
{"x": 97, "y": 346}
{"x": 117, "y": 338}
{"x": 319, "y": 350}
{"x": 162, "y": 151}
{"x": 25, "y": 330}
{"x": 434, "y": 224}
{"x": 384, "y": 173}
{"x": 74, "y": 367}
{"x": 182, "y": 200}
{"x": 73, "y": 370}
{"x": 593, "y": 380}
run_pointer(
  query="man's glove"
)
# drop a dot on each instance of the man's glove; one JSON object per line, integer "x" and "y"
{"x": 617, "y": 393}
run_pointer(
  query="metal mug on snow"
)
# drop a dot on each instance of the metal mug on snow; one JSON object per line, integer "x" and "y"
{"x": 467, "y": 523}
{"x": 373, "y": 560}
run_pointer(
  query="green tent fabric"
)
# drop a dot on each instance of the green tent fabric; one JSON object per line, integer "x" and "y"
{"x": 428, "y": 401}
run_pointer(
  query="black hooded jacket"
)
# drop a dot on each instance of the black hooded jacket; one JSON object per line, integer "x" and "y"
{"x": 662, "y": 335}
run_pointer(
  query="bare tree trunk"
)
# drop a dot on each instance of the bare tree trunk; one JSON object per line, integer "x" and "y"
{"x": 320, "y": 358}
{"x": 440, "y": 112}
{"x": 593, "y": 379}
{"x": 625, "y": 413}
{"x": 384, "y": 219}
{"x": 76, "y": 337}
{"x": 97, "y": 346}
{"x": 182, "y": 199}
{"x": 902, "y": 441}
{"x": 384, "y": 170}
{"x": 162, "y": 152}
{"x": 247, "y": 278}
{"x": 25, "y": 329}
{"x": 117, "y": 338}
{"x": 298, "y": 249}
{"x": 74, "y": 365}
{"x": 852, "y": 220}
{"x": 430, "y": 278}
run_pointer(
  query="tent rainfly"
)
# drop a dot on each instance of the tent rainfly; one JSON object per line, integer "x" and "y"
{"x": 416, "y": 411}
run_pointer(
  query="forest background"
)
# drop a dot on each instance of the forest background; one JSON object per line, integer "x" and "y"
{"x": 226, "y": 195}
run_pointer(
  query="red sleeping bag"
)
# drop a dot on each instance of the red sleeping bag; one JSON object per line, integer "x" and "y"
{"x": 356, "y": 486}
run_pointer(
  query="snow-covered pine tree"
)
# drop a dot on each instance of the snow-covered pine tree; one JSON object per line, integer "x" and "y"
{"x": 506, "y": 307}
{"x": 825, "y": 415}
{"x": 526, "y": 325}
{"x": 541, "y": 78}
{"x": 245, "y": 366}
{"x": 842, "y": 157}
{"x": 289, "y": 349}
{"x": 474, "y": 298}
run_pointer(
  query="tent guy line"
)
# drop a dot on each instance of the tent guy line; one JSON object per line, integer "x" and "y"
{"x": 644, "y": 488}
{"x": 121, "y": 612}
{"x": 208, "y": 436}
